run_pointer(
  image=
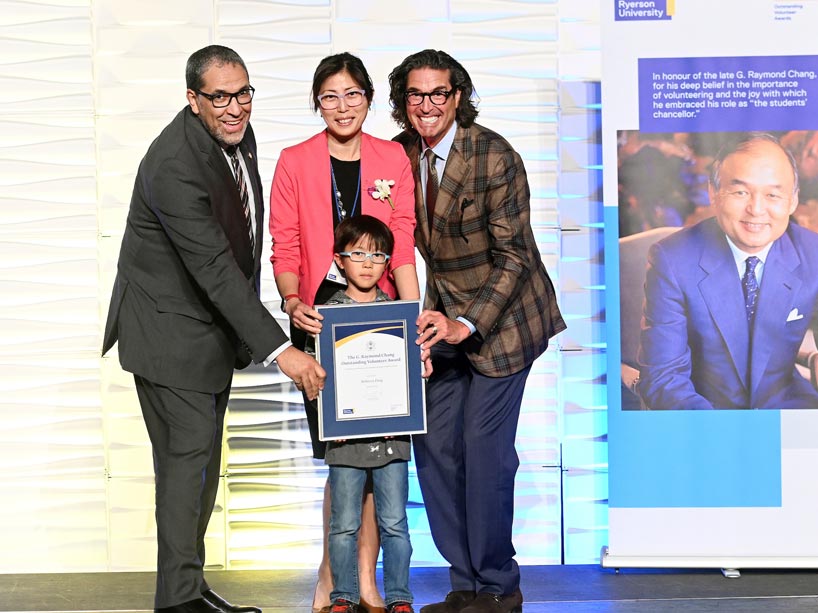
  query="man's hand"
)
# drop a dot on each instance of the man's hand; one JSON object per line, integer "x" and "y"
{"x": 303, "y": 370}
{"x": 426, "y": 358}
{"x": 434, "y": 326}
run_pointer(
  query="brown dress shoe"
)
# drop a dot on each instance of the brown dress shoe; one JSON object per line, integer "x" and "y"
{"x": 454, "y": 603}
{"x": 496, "y": 603}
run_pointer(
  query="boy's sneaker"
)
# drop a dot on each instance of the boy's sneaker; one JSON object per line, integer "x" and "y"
{"x": 345, "y": 606}
{"x": 400, "y": 607}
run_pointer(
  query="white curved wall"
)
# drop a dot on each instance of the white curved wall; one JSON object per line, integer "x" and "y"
{"x": 89, "y": 84}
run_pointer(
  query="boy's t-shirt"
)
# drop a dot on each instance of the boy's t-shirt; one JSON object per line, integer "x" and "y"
{"x": 366, "y": 452}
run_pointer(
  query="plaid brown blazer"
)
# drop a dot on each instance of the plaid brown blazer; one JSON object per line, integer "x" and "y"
{"x": 482, "y": 262}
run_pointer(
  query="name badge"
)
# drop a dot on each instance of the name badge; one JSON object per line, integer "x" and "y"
{"x": 335, "y": 275}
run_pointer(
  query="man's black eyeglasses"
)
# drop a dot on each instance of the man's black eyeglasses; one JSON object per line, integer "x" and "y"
{"x": 222, "y": 99}
{"x": 438, "y": 97}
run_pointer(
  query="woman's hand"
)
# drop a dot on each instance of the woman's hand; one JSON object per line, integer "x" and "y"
{"x": 303, "y": 316}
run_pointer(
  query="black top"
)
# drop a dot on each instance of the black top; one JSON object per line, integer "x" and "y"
{"x": 347, "y": 179}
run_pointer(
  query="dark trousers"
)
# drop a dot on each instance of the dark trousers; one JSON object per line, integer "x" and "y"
{"x": 185, "y": 428}
{"x": 466, "y": 465}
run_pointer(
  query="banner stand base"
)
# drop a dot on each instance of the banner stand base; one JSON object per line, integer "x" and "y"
{"x": 728, "y": 564}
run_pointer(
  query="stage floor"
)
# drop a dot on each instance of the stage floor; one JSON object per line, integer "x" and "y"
{"x": 547, "y": 589}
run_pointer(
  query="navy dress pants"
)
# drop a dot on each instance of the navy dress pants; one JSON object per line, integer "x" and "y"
{"x": 466, "y": 465}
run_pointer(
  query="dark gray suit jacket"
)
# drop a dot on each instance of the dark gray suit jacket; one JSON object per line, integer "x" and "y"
{"x": 185, "y": 305}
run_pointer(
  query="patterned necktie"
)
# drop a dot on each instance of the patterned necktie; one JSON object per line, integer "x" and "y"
{"x": 243, "y": 195}
{"x": 749, "y": 284}
{"x": 432, "y": 185}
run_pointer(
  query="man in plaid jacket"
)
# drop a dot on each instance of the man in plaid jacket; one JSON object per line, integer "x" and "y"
{"x": 490, "y": 309}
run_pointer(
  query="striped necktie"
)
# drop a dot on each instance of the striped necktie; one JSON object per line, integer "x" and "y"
{"x": 243, "y": 194}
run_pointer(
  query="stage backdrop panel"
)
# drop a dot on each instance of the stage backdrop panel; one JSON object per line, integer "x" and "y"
{"x": 93, "y": 83}
{"x": 712, "y": 488}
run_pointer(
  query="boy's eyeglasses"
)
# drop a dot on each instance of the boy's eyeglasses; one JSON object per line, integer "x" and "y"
{"x": 360, "y": 256}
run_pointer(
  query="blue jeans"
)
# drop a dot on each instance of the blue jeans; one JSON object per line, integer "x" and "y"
{"x": 390, "y": 485}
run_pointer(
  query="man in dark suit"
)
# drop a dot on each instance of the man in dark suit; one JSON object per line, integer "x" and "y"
{"x": 186, "y": 309}
{"x": 490, "y": 309}
{"x": 729, "y": 300}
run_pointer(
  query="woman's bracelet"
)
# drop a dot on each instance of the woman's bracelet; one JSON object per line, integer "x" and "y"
{"x": 285, "y": 299}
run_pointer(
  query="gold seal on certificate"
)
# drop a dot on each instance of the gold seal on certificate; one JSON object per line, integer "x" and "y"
{"x": 374, "y": 384}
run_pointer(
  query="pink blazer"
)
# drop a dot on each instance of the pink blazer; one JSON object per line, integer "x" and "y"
{"x": 301, "y": 210}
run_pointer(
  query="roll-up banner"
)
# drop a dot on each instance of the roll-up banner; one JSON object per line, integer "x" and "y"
{"x": 710, "y": 170}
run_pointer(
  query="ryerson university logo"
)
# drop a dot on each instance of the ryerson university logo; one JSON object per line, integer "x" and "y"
{"x": 643, "y": 10}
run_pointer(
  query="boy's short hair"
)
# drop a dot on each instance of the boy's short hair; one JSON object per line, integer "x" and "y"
{"x": 352, "y": 229}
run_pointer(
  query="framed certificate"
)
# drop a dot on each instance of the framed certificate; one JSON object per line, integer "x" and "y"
{"x": 374, "y": 385}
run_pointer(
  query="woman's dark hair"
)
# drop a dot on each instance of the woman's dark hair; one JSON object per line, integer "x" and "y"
{"x": 341, "y": 62}
{"x": 439, "y": 60}
{"x": 351, "y": 230}
{"x": 200, "y": 61}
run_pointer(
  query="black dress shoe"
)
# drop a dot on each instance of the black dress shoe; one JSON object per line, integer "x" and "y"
{"x": 220, "y": 603}
{"x": 199, "y": 605}
{"x": 454, "y": 603}
{"x": 496, "y": 603}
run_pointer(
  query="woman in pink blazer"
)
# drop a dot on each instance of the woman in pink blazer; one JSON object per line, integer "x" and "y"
{"x": 340, "y": 172}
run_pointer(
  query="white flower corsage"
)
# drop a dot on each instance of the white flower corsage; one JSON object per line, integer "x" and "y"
{"x": 382, "y": 191}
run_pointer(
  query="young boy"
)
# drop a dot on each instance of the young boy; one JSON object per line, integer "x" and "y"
{"x": 363, "y": 246}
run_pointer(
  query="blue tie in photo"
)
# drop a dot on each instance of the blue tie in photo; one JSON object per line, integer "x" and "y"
{"x": 749, "y": 284}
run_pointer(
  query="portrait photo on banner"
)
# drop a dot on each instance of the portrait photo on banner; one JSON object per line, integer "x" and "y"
{"x": 718, "y": 265}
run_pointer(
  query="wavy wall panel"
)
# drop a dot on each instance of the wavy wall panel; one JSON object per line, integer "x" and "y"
{"x": 93, "y": 83}
{"x": 54, "y": 489}
{"x": 140, "y": 50}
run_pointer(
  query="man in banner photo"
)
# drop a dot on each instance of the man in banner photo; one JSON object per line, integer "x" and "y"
{"x": 729, "y": 300}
